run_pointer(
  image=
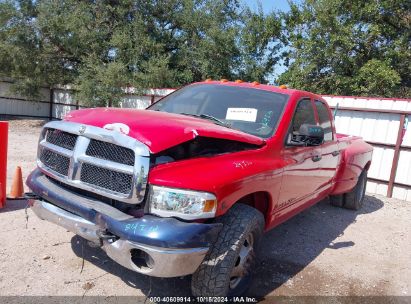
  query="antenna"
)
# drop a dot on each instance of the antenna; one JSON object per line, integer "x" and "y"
{"x": 335, "y": 110}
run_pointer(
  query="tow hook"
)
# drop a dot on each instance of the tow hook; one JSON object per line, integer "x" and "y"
{"x": 30, "y": 197}
{"x": 104, "y": 235}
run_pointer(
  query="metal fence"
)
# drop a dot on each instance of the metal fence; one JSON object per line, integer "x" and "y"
{"x": 55, "y": 103}
{"x": 382, "y": 122}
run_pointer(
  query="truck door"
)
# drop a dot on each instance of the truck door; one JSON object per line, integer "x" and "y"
{"x": 329, "y": 149}
{"x": 301, "y": 177}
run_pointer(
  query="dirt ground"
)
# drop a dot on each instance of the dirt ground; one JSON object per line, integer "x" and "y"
{"x": 324, "y": 251}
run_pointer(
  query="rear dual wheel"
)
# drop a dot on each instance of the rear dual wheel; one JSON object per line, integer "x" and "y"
{"x": 354, "y": 199}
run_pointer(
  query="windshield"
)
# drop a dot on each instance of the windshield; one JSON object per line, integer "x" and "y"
{"x": 249, "y": 110}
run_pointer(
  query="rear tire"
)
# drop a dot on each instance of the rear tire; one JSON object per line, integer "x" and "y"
{"x": 337, "y": 200}
{"x": 227, "y": 267}
{"x": 354, "y": 199}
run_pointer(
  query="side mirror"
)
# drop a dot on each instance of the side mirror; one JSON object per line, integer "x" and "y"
{"x": 307, "y": 135}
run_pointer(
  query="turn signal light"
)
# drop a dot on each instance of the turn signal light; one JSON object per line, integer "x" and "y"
{"x": 283, "y": 86}
{"x": 239, "y": 81}
{"x": 224, "y": 80}
{"x": 209, "y": 205}
{"x": 255, "y": 83}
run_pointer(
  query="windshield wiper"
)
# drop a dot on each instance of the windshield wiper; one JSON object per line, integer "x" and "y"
{"x": 209, "y": 117}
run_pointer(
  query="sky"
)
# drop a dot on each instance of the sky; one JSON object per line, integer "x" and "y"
{"x": 269, "y": 6}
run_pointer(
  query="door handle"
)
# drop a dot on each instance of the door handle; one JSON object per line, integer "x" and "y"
{"x": 316, "y": 158}
{"x": 335, "y": 153}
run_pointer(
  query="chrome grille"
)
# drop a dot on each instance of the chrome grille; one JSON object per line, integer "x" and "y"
{"x": 109, "y": 151}
{"x": 93, "y": 159}
{"x": 106, "y": 179}
{"x": 61, "y": 138}
{"x": 54, "y": 161}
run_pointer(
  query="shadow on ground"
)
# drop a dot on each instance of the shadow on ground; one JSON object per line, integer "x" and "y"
{"x": 14, "y": 205}
{"x": 284, "y": 252}
{"x": 290, "y": 247}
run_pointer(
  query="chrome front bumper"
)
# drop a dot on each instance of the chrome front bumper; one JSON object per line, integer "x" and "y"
{"x": 163, "y": 262}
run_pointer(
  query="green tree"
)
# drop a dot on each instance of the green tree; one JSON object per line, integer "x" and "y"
{"x": 347, "y": 47}
{"x": 101, "y": 47}
{"x": 260, "y": 44}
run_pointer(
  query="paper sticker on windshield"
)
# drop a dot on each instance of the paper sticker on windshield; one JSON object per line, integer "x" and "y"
{"x": 244, "y": 114}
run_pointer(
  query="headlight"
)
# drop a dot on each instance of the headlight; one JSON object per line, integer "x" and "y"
{"x": 185, "y": 204}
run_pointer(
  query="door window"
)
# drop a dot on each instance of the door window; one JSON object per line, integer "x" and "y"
{"x": 324, "y": 119}
{"x": 304, "y": 114}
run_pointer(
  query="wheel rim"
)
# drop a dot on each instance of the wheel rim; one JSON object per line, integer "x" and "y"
{"x": 243, "y": 263}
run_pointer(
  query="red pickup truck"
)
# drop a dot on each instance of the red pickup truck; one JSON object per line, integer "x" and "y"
{"x": 189, "y": 185}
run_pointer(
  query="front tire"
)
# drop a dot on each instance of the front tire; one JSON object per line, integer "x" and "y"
{"x": 226, "y": 269}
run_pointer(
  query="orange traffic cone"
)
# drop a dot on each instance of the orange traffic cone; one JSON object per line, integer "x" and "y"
{"x": 17, "y": 190}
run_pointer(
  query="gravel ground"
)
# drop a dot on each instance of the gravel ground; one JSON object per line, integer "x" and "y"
{"x": 323, "y": 251}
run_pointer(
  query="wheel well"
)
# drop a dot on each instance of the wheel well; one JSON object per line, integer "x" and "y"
{"x": 258, "y": 200}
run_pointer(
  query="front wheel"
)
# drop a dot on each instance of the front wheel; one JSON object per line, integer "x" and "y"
{"x": 226, "y": 269}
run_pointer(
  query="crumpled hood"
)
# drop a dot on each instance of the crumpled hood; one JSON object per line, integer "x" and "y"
{"x": 159, "y": 130}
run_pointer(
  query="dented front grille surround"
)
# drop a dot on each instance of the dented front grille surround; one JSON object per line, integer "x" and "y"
{"x": 105, "y": 162}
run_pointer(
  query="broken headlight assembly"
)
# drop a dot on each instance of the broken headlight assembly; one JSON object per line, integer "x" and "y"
{"x": 184, "y": 204}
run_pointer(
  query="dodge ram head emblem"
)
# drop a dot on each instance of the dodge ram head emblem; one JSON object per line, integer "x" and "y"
{"x": 82, "y": 129}
{"x": 119, "y": 127}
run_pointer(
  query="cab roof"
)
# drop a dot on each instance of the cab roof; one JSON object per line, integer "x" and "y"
{"x": 258, "y": 86}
